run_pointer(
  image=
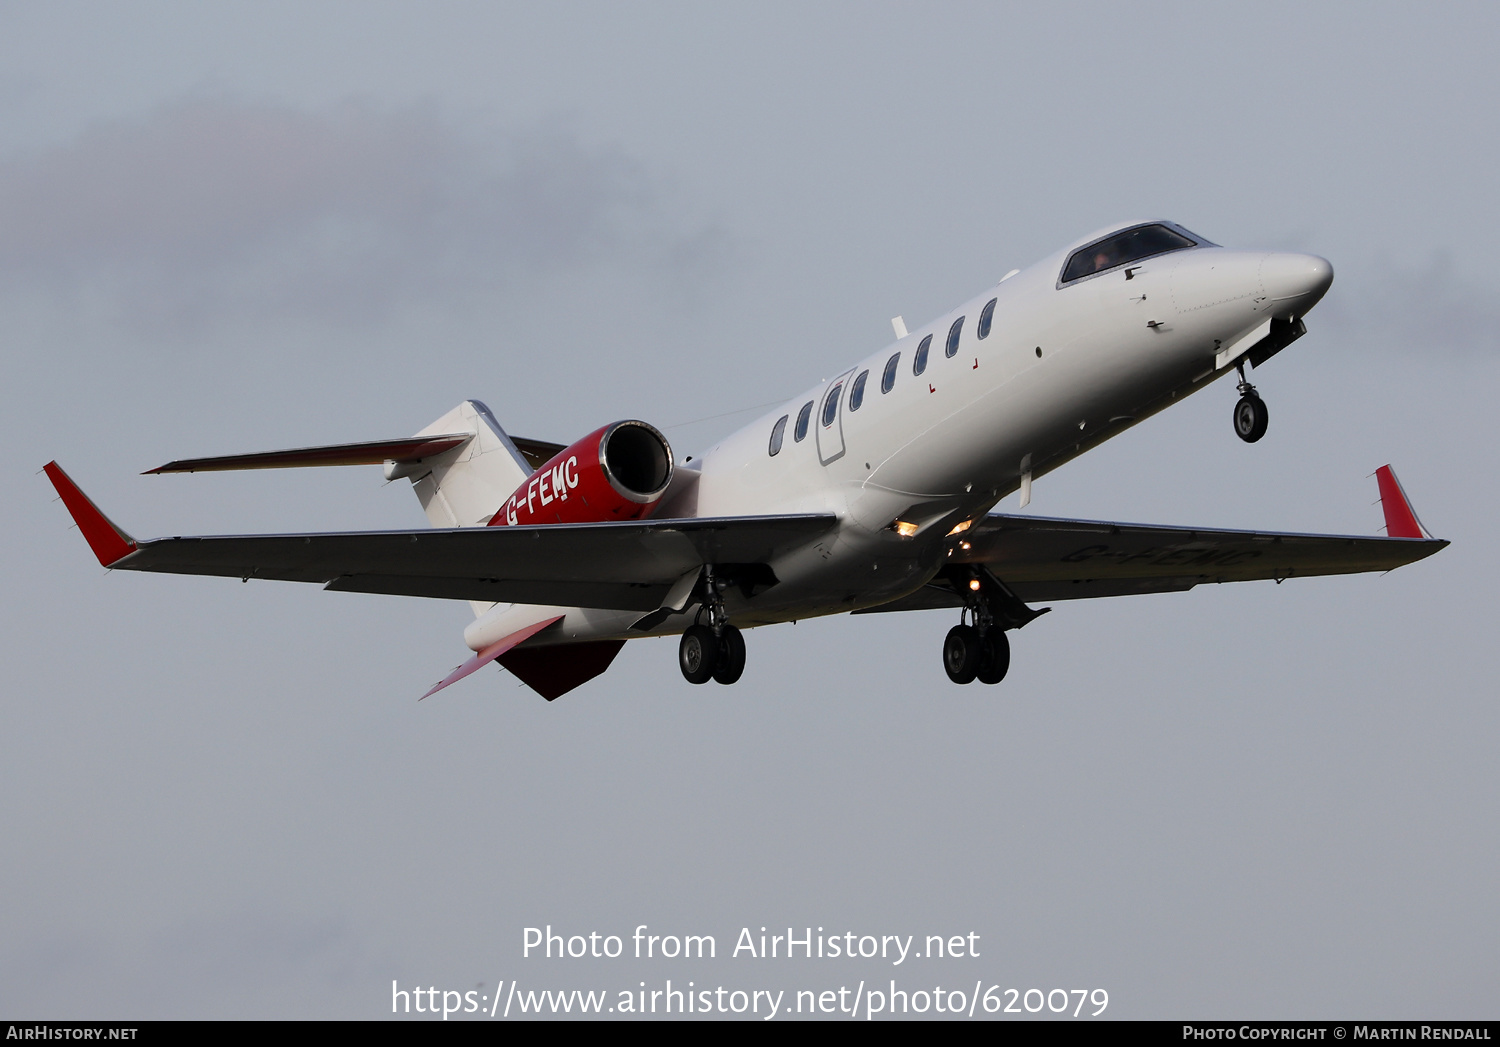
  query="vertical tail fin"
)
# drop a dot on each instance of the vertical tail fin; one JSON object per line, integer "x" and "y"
{"x": 466, "y": 486}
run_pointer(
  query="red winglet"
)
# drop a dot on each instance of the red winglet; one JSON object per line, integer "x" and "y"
{"x": 1400, "y": 521}
{"x": 489, "y": 654}
{"x": 108, "y": 541}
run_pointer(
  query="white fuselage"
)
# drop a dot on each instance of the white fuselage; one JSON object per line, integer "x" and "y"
{"x": 1061, "y": 368}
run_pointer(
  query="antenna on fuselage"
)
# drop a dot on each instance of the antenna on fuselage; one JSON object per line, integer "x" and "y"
{"x": 899, "y": 326}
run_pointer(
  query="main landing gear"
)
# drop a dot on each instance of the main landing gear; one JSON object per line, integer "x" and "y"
{"x": 976, "y": 653}
{"x": 977, "y": 648}
{"x": 1250, "y": 414}
{"x": 713, "y": 651}
{"x": 704, "y": 656}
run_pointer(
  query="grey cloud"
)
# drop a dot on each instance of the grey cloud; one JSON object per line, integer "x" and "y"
{"x": 186, "y": 968}
{"x": 1433, "y": 309}
{"x": 211, "y": 205}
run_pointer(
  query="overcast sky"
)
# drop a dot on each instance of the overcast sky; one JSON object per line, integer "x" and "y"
{"x": 237, "y": 227}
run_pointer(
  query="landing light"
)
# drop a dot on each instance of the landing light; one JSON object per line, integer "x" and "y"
{"x": 974, "y": 584}
{"x": 904, "y": 528}
{"x": 960, "y": 528}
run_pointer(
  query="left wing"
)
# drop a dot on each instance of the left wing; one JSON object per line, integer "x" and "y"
{"x": 1042, "y": 559}
{"x": 629, "y": 565}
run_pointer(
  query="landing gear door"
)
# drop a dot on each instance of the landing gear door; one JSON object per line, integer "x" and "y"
{"x": 830, "y": 420}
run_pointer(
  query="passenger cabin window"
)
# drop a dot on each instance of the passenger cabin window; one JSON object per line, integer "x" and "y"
{"x": 857, "y": 391}
{"x": 919, "y": 362}
{"x": 1146, "y": 241}
{"x": 802, "y": 416}
{"x": 777, "y": 432}
{"x": 888, "y": 380}
{"x": 951, "y": 349}
{"x": 986, "y": 318}
{"x": 831, "y": 405}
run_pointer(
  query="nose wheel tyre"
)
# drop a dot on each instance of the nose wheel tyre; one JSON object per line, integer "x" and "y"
{"x": 698, "y": 653}
{"x": 961, "y": 652}
{"x": 731, "y": 661}
{"x": 994, "y": 656}
{"x": 1250, "y": 418}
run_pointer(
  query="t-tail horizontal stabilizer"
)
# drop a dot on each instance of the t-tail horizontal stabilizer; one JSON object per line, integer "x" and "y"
{"x": 371, "y": 452}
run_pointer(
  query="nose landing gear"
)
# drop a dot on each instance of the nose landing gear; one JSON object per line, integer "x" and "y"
{"x": 1250, "y": 414}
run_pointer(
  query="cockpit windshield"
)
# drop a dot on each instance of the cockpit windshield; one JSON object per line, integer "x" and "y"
{"x": 1144, "y": 241}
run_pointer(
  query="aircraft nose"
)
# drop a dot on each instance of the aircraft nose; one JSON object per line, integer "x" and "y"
{"x": 1295, "y": 282}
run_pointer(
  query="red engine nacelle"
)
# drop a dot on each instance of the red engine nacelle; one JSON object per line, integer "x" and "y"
{"x": 618, "y": 472}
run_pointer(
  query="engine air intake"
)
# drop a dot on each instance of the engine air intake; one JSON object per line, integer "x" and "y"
{"x": 637, "y": 460}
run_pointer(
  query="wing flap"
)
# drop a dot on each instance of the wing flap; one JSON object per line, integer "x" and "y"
{"x": 623, "y": 596}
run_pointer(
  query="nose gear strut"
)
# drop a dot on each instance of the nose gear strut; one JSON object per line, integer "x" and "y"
{"x": 1250, "y": 414}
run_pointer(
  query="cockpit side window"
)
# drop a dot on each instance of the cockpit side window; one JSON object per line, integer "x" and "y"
{"x": 1144, "y": 241}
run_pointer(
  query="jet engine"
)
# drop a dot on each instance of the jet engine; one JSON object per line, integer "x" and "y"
{"x": 618, "y": 472}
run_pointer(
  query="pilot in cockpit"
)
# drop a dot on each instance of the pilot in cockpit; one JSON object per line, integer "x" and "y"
{"x": 1104, "y": 256}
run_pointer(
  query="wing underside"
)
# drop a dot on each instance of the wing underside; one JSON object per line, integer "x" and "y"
{"x": 629, "y": 566}
{"x": 1044, "y": 560}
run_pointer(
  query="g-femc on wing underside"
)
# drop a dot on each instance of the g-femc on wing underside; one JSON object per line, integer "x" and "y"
{"x": 1044, "y": 559}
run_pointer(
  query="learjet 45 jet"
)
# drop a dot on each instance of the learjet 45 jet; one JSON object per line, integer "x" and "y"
{"x": 871, "y": 491}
